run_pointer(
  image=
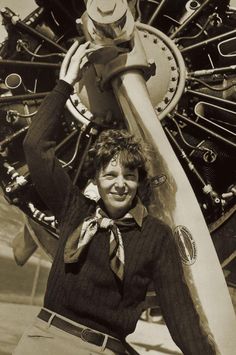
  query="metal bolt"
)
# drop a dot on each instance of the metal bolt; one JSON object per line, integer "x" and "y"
{"x": 223, "y": 202}
{"x": 93, "y": 131}
{"x": 233, "y": 190}
{"x": 166, "y": 100}
{"x": 106, "y": 7}
{"x": 193, "y": 5}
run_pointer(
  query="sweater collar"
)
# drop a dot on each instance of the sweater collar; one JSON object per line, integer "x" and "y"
{"x": 138, "y": 211}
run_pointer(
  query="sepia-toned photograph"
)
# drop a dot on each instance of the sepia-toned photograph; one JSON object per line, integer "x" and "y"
{"x": 118, "y": 177}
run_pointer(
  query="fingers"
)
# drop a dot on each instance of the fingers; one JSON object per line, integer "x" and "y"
{"x": 73, "y": 62}
{"x": 76, "y": 50}
{"x": 86, "y": 44}
{"x": 72, "y": 50}
{"x": 82, "y": 51}
{"x": 67, "y": 58}
{"x": 90, "y": 50}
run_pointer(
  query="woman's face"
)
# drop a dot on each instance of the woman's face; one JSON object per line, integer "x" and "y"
{"x": 117, "y": 186}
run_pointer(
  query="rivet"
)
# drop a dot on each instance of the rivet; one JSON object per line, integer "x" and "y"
{"x": 166, "y": 100}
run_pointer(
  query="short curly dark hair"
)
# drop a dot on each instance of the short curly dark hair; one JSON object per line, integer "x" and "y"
{"x": 131, "y": 152}
{"x": 120, "y": 142}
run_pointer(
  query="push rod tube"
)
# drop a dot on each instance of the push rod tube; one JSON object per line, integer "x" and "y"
{"x": 24, "y": 63}
{"x": 208, "y": 41}
{"x": 156, "y": 12}
{"x": 16, "y": 98}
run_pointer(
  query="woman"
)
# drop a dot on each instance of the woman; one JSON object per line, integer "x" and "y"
{"x": 109, "y": 251}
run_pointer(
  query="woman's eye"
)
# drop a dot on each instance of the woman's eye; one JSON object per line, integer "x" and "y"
{"x": 131, "y": 176}
{"x": 109, "y": 176}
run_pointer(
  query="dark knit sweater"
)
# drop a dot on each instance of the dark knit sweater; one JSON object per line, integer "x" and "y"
{"x": 87, "y": 291}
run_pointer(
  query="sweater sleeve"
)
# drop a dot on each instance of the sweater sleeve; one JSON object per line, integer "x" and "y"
{"x": 176, "y": 303}
{"x": 51, "y": 181}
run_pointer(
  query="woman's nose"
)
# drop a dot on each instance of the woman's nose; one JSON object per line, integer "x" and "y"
{"x": 120, "y": 182}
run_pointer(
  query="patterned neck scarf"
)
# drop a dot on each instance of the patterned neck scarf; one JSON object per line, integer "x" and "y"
{"x": 82, "y": 235}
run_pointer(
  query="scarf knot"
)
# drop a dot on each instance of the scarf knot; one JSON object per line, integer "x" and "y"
{"x": 105, "y": 223}
{"x": 81, "y": 237}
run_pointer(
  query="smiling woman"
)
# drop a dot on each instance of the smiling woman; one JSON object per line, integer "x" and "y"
{"x": 109, "y": 251}
{"x": 118, "y": 166}
{"x": 169, "y": 80}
